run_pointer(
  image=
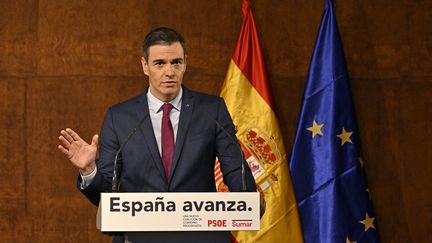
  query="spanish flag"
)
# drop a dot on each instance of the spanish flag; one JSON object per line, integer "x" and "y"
{"x": 248, "y": 96}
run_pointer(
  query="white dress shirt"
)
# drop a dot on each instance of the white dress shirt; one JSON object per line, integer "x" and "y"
{"x": 155, "y": 112}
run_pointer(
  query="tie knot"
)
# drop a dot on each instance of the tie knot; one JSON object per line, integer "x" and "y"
{"x": 166, "y": 108}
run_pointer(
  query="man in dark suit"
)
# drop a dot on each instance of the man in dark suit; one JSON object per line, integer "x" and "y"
{"x": 174, "y": 149}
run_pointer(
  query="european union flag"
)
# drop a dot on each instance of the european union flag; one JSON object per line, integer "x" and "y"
{"x": 326, "y": 167}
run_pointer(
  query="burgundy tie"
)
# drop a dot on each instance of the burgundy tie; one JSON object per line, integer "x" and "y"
{"x": 167, "y": 139}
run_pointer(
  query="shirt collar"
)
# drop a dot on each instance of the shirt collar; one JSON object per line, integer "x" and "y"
{"x": 155, "y": 104}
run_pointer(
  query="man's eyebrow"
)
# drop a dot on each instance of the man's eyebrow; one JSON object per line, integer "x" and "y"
{"x": 158, "y": 60}
{"x": 163, "y": 60}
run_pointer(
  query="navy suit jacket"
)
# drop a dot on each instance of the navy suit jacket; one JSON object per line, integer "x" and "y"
{"x": 199, "y": 140}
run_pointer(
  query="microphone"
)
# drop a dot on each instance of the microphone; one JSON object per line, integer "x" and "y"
{"x": 234, "y": 141}
{"x": 115, "y": 178}
{"x": 243, "y": 173}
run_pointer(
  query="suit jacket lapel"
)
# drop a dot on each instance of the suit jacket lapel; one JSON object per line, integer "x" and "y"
{"x": 142, "y": 111}
{"x": 183, "y": 127}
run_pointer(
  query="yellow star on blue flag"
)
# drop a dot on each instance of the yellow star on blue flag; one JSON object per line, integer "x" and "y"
{"x": 315, "y": 129}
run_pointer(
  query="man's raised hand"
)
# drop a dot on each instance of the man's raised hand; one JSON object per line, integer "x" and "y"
{"x": 81, "y": 154}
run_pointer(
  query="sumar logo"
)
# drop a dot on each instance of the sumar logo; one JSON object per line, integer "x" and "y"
{"x": 242, "y": 223}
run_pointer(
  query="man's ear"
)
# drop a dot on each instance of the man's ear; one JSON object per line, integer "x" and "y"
{"x": 145, "y": 66}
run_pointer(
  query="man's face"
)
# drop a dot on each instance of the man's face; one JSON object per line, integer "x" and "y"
{"x": 165, "y": 68}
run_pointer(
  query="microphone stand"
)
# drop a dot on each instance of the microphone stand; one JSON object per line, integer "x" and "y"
{"x": 243, "y": 171}
{"x": 115, "y": 178}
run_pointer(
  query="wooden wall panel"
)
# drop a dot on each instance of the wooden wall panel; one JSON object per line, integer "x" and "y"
{"x": 420, "y": 38}
{"x": 378, "y": 133}
{"x": 105, "y": 38}
{"x": 13, "y": 172}
{"x": 59, "y": 211}
{"x": 414, "y": 154}
{"x": 18, "y": 34}
{"x": 287, "y": 32}
{"x": 394, "y": 122}
{"x": 62, "y": 63}
{"x": 90, "y": 37}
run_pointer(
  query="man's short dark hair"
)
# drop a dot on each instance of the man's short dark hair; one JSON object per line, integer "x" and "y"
{"x": 162, "y": 36}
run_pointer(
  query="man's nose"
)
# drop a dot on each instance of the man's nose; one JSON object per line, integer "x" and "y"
{"x": 169, "y": 70}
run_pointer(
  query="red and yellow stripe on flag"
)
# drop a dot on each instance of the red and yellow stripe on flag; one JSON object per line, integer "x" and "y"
{"x": 248, "y": 96}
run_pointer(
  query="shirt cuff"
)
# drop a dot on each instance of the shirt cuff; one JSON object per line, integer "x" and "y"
{"x": 86, "y": 180}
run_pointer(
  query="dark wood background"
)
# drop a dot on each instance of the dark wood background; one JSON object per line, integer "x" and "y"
{"x": 62, "y": 63}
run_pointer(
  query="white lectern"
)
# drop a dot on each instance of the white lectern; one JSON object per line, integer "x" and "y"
{"x": 206, "y": 211}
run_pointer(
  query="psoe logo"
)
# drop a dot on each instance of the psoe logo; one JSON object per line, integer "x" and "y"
{"x": 239, "y": 223}
{"x": 218, "y": 223}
